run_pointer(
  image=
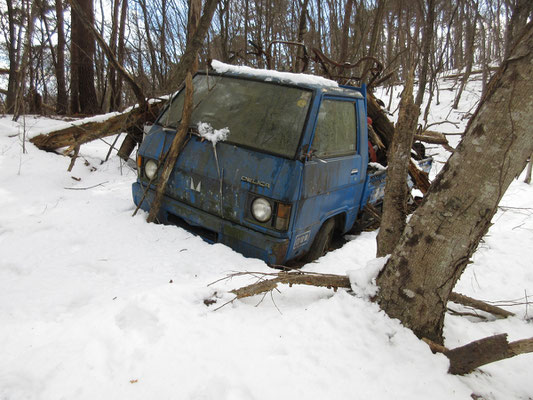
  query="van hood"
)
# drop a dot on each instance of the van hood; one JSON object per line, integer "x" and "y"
{"x": 221, "y": 179}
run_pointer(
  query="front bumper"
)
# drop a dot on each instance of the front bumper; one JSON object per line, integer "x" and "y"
{"x": 246, "y": 241}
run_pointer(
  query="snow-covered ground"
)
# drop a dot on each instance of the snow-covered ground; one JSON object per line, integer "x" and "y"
{"x": 97, "y": 304}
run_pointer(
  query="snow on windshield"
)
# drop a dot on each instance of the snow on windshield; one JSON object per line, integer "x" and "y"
{"x": 286, "y": 77}
{"x": 213, "y": 135}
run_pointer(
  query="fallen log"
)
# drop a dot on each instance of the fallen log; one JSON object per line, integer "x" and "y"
{"x": 467, "y": 358}
{"x": 77, "y": 135}
{"x": 329, "y": 281}
{"x": 340, "y": 281}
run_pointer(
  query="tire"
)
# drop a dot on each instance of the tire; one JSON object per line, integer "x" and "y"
{"x": 322, "y": 241}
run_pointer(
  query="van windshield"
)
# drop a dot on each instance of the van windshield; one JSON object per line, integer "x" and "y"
{"x": 260, "y": 115}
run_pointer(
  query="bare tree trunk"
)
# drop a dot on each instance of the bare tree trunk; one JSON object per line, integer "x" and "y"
{"x": 396, "y": 189}
{"x": 427, "y": 41}
{"x": 345, "y": 33}
{"x": 521, "y": 11}
{"x": 445, "y": 230}
{"x": 374, "y": 38}
{"x": 116, "y": 98}
{"x": 62, "y": 97}
{"x": 25, "y": 62}
{"x": 302, "y": 29}
{"x": 93, "y": 33}
{"x": 190, "y": 56}
{"x": 154, "y": 67}
{"x": 12, "y": 85}
{"x": 470, "y": 38}
{"x": 83, "y": 94}
{"x": 111, "y": 77}
{"x": 195, "y": 12}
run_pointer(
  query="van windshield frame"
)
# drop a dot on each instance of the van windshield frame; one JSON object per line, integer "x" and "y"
{"x": 263, "y": 116}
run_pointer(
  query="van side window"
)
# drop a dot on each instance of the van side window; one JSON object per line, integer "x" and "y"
{"x": 336, "y": 132}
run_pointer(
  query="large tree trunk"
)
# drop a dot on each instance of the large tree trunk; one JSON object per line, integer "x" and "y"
{"x": 445, "y": 230}
{"x": 83, "y": 94}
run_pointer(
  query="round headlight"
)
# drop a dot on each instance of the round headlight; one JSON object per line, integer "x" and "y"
{"x": 150, "y": 169}
{"x": 261, "y": 209}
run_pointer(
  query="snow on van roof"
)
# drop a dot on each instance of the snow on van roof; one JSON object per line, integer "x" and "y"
{"x": 285, "y": 77}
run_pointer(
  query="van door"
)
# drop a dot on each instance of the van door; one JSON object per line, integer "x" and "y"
{"x": 333, "y": 177}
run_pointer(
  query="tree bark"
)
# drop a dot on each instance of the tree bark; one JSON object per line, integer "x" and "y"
{"x": 190, "y": 55}
{"x": 345, "y": 34}
{"x": 116, "y": 97}
{"x": 300, "y": 65}
{"x": 469, "y": 54}
{"x": 12, "y": 84}
{"x": 445, "y": 230}
{"x": 91, "y": 30}
{"x": 427, "y": 41}
{"x": 521, "y": 11}
{"x": 396, "y": 189}
{"x": 83, "y": 93}
{"x": 62, "y": 97}
{"x": 374, "y": 38}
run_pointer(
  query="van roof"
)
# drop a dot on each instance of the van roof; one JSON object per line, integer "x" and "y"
{"x": 306, "y": 81}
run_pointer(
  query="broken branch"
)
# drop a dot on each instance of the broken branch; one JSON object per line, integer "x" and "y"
{"x": 480, "y": 305}
{"x": 465, "y": 359}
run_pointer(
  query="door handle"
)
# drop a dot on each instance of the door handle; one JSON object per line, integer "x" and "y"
{"x": 354, "y": 171}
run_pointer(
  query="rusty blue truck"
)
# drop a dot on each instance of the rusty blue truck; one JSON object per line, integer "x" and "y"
{"x": 292, "y": 170}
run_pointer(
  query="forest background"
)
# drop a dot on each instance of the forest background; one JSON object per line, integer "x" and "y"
{"x": 52, "y": 64}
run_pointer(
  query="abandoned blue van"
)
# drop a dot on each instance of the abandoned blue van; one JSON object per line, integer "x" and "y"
{"x": 291, "y": 171}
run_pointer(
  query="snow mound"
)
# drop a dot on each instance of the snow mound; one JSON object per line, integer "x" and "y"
{"x": 363, "y": 280}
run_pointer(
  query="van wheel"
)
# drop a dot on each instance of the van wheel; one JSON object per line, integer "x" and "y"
{"x": 322, "y": 241}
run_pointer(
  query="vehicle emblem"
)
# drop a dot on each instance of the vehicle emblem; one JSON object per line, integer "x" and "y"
{"x": 198, "y": 187}
{"x": 255, "y": 182}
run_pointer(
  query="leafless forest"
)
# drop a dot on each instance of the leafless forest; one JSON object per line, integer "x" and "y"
{"x": 51, "y": 63}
